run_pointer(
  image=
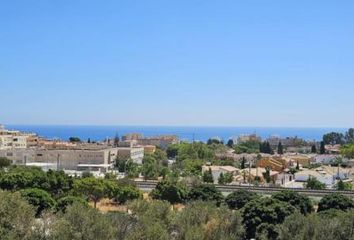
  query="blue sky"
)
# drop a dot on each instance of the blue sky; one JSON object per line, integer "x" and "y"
{"x": 185, "y": 62}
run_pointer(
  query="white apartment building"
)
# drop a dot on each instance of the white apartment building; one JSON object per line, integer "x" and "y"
{"x": 73, "y": 159}
{"x": 61, "y": 159}
{"x": 136, "y": 154}
{"x": 10, "y": 139}
{"x": 13, "y": 141}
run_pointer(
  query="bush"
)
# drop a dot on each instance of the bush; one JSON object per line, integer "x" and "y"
{"x": 261, "y": 215}
{"x": 174, "y": 192}
{"x": 5, "y": 162}
{"x": 16, "y": 216}
{"x": 206, "y": 192}
{"x": 335, "y": 201}
{"x": 238, "y": 199}
{"x": 313, "y": 183}
{"x": 301, "y": 202}
{"x": 125, "y": 193}
{"x": 38, "y": 198}
{"x": 64, "y": 202}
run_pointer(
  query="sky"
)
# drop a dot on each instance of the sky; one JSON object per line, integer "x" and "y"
{"x": 260, "y": 63}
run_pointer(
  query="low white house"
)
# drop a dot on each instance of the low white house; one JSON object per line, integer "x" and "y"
{"x": 323, "y": 177}
{"x": 325, "y": 158}
{"x": 217, "y": 170}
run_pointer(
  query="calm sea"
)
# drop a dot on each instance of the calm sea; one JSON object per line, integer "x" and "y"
{"x": 184, "y": 133}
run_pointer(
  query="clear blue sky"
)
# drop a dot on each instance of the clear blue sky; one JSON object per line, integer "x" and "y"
{"x": 183, "y": 62}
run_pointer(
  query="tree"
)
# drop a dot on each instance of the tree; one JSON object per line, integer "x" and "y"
{"x": 74, "y": 139}
{"x": 313, "y": 183}
{"x": 313, "y": 149}
{"x": 342, "y": 186}
{"x": 247, "y": 147}
{"x": 202, "y": 220}
{"x": 20, "y": 177}
{"x": 39, "y": 199}
{"x": 172, "y": 150}
{"x": 280, "y": 149}
{"x": 261, "y": 215}
{"x": 230, "y": 143}
{"x": 243, "y": 163}
{"x": 191, "y": 167}
{"x": 132, "y": 169}
{"x": 322, "y": 148}
{"x": 225, "y": 178}
{"x": 171, "y": 191}
{"x": 333, "y": 138}
{"x": 81, "y": 222}
{"x": 4, "y": 162}
{"x": 349, "y": 136}
{"x": 110, "y": 176}
{"x": 266, "y": 175}
{"x": 195, "y": 150}
{"x": 208, "y": 176}
{"x": 116, "y": 140}
{"x": 335, "y": 201}
{"x": 153, "y": 220}
{"x": 296, "y": 226}
{"x": 17, "y": 216}
{"x": 221, "y": 179}
{"x": 93, "y": 188}
{"x": 126, "y": 192}
{"x": 266, "y": 148}
{"x": 214, "y": 141}
{"x": 301, "y": 202}
{"x": 121, "y": 163}
{"x": 64, "y": 202}
{"x": 317, "y": 227}
{"x": 122, "y": 223}
{"x": 238, "y": 199}
{"x": 57, "y": 183}
{"x": 205, "y": 192}
{"x": 347, "y": 151}
{"x": 160, "y": 155}
{"x": 150, "y": 168}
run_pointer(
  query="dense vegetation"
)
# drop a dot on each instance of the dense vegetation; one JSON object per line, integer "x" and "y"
{"x": 51, "y": 205}
{"x": 242, "y": 215}
{"x": 53, "y": 190}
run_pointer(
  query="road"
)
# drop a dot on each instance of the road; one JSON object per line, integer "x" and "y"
{"x": 150, "y": 185}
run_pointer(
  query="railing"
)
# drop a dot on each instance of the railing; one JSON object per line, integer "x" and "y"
{"x": 258, "y": 189}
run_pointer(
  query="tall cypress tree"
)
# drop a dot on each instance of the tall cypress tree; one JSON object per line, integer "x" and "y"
{"x": 280, "y": 149}
{"x": 322, "y": 149}
{"x": 243, "y": 163}
{"x": 208, "y": 176}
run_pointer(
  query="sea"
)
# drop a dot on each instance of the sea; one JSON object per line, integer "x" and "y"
{"x": 189, "y": 133}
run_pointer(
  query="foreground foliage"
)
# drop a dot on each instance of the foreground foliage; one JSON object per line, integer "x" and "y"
{"x": 260, "y": 218}
{"x": 51, "y": 205}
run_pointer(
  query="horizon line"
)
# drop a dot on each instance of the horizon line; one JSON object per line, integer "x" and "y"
{"x": 168, "y": 125}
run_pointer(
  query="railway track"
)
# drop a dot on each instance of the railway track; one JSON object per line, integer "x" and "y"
{"x": 150, "y": 185}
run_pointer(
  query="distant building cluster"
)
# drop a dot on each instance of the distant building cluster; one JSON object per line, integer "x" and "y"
{"x": 76, "y": 157}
